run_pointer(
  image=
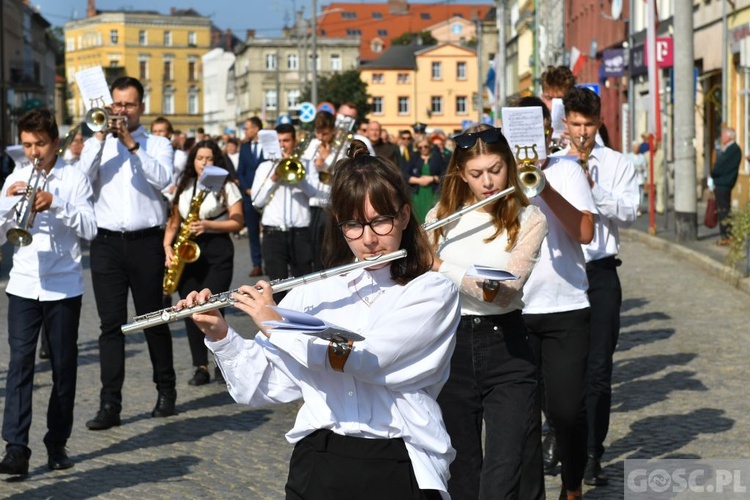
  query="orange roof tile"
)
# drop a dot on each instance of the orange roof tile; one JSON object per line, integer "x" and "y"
{"x": 375, "y": 20}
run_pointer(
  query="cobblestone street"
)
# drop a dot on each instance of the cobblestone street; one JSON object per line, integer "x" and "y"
{"x": 680, "y": 386}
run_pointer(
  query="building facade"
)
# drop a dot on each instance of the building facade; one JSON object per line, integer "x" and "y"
{"x": 219, "y": 97}
{"x": 162, "y": 51}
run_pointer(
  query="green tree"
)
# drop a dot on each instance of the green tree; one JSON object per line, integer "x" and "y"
{"x": 407, "y": 38}
{"x": 346, "y": 86}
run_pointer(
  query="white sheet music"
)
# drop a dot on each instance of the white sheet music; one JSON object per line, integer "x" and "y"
{"x": 93, "y": 88}
{"x": 558, "y": 114}
{"x": 524, "y": 128}
{"x": 490, "y": 273}
{"x": 212, "y": 178}
{"x": 17, "y": 155}
{"x": 310, "y": 325}
{"x": 269, "y": 142}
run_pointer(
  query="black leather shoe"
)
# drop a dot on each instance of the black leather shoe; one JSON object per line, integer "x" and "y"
{"x": 57, "y": 458}
{"x": 16, "y": 461}
{"x": 200, "y": 377}
{"x": 550, "y": 455}
{"x": 43, "y": 350}
{"x": 106, "y": 418}
{"x": 218, "y": 376}
{"x": 594, "y": 475}
{"x": 165, "y": 404}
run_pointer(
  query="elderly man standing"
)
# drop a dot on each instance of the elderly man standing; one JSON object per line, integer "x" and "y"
{"x": 384, "y": 149}
{"x": 724, "y": 176}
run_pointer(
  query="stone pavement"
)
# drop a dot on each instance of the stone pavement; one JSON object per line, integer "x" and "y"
{"x": 679, "y": 392}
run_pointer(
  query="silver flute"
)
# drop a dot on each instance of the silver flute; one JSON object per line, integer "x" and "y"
{"x": 224, "y": 299}
{"x": 469, "y": 208}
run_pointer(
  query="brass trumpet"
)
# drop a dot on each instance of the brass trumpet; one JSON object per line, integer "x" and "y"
{"x": 97, "y": 119}
{"x": 25, "y": 214}
{"x": 584, "y": 162}
{"x": 530, "y": 176}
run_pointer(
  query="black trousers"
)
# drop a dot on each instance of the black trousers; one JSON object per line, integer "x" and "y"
{"x": 560, "y": 342}
{"x": 318, "y": 220}
{"x": 492, "y": 380}
{"x": 328, "y": 466}
{"x": 287, "y": 252}
{"x": 120, "y": 265}
{"x": 252, "y": 223}
{"x": 213, "y": 270}
{"x": 605, "y": 297}
{"x": 723, "y": 207}
{"x": 60, "y": 319}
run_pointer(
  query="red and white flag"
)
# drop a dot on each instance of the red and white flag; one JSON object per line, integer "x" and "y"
{"x": 577, "y": 60}
{"x": 654, "y": 115}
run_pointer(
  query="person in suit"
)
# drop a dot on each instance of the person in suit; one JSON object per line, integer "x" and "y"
{"x": 251, "y": 155}
{"x": 724, "y": 176}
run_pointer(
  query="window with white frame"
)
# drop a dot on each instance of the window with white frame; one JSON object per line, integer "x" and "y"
{"x": 168, "y": 102}
{"x": 336, "y": 62}
{"x": 168, "y": 38}
{"x": 377, "y": 78}
{"x": 292, "y": 98}
{"x": 270, "y": 100}
{"x": 292, "y": 62}
{"x": 270, "y": 62}
{"x": 403, "y": 105}
{"x": 436, "y": 105}
{"x": 192, "y": 38}
{"x": 142, "y": 37}
{"x": 168, "y": 69}
{"x": 402, "y": 78}
{"x": 143, "y": 67}
{"x": 437, "y": 70}
{"x": 114, "y": 37}
{"x": 377, "y": 105}
{"x": 192, "y": 68}
{"x": 70, "y": 44}
{"x": 193, "y": 101}
{"x": 461, "y": 70}
{"x": 461, "y": 105}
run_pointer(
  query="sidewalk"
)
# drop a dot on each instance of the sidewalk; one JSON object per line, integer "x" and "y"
{"x": 703, "y": 252}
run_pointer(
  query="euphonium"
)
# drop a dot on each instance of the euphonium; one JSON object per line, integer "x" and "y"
{"x": 25, "y": 214}
{"x": 184, "y": 250}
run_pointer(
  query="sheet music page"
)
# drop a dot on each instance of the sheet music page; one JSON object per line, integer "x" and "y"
{"x": 93, "y": 87}
{"x": 310, "y": 325}
{"x": 558, "y": 114}
{"x": 17, "y": 155}
{"x": 212, "y": 178}
{"x": 490, "y": 273}
{"x": 269, "y": 141}
{"x": 524, "y": 130}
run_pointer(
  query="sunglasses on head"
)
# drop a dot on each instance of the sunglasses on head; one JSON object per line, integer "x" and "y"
{"x": 465, "y": 141}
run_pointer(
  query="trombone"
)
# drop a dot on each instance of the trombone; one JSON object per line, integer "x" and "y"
{"x": 21, "y": 236}
{"x": 288, "y": 170}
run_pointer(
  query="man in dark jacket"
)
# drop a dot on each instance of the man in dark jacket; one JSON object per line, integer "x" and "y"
{"x": 251, "y": 156}
{"x": 383, "y": 149}
{"x": 724, "y": 175}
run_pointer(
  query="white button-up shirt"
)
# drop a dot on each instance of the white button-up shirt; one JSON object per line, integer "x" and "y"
{"x": 391, "y": 379}
{"x": 127, "y": 186}
{"x": 283, "y": 205}
{"x": 50, "y": 267}
{"x": 616, "y": 196}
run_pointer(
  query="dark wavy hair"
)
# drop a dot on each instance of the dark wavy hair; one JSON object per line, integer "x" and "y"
{"x": 357, "y": 178}
{"x": 190, "y": 173}
{"x": 456, "y": 193}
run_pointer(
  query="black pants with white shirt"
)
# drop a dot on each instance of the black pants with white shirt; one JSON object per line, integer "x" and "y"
{"x": 286, "y": 251}
{"x": 122, "y": 262}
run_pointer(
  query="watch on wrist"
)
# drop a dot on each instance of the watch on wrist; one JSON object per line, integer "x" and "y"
{"x": 135, "y": 148}
{"x": 338, "y": 353}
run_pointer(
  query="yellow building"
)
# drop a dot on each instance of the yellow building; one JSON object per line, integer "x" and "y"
{"x": 162, "y": 50}
{"x": 435, "y": 85}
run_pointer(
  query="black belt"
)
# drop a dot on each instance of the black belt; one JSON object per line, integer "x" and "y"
{"x": 276, "y": 229}
{"x": 610, "y": 262}
{"x": 130, "y": 235}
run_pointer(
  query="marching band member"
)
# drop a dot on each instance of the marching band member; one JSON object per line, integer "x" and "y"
{"x": 492, "y": 375}
{"x": 45, "y": 289}
{"x": 370, "y": 426}
{"x": 319, "y": 158}
{"x": 220, "y": 214}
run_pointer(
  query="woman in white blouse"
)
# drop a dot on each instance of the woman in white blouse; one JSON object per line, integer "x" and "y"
{"x": 370, "y": 427}
{"x": 493, "y": 375}
{"x": 220, "y": 214}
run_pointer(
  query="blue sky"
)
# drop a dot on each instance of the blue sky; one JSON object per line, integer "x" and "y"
{"x": 266, "y": 17}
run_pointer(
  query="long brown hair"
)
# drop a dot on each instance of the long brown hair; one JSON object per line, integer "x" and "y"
{"x": 190, "y": 173}
{"x": 456, "y": 192}
{"x": 357, "y": 178}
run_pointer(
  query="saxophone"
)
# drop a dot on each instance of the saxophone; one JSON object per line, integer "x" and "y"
{"x": 185, "y": 250}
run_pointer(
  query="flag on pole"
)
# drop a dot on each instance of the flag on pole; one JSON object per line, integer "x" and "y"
{"x": 577, "y": 60}
{"x": 654, "y": 115}
{"x": 490, "y": 85}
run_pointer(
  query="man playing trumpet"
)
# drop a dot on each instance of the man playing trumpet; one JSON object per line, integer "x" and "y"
{"x": 44, "y": 289}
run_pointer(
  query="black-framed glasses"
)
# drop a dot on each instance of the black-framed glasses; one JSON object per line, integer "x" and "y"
{"x": 490, "y": 135}
{"x": 381, "y": 225}
{"x": 119, "y": 106}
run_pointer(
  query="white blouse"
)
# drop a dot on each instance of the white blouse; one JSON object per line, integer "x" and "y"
{"x": 391, "y": 379}
{"x": 463, "y": 244}
{"x": 212, "y": 207}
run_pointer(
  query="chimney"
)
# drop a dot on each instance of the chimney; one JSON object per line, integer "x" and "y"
{"x": 91, "y": 9}
{"x": 398, "y": 6}
{"x": 215, "y": 37}
{"x": 228, "y": 40}
{"x": 249, "y": 34}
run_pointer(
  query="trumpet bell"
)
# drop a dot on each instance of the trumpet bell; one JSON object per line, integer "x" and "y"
{"x": 531, "y": 179}
{"x": 19, "y": 237}
{"x": 189, "y": 251}
{"x": 96, "y": 119}
{"x": 290, "y": 171}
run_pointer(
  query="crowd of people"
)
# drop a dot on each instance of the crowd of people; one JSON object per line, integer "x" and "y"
{"x": 440, "y": 388}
